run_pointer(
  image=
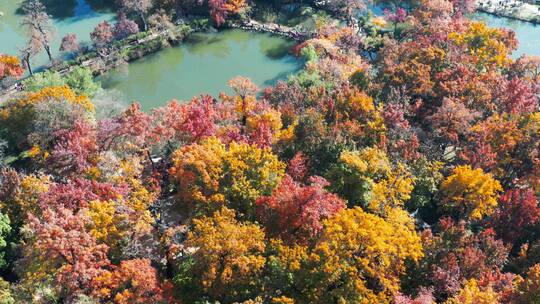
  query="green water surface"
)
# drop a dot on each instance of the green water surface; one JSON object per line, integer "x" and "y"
{"x": 202, "y": 65}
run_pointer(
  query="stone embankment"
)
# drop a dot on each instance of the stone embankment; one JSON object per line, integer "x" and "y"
{"x": 514, "y": 9}
{"x": 273, "y": 28}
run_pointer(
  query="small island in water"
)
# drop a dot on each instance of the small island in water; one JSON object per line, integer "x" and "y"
{"x": 269, "y": 152}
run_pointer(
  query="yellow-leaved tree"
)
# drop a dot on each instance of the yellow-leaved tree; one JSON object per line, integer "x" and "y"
{"x": 360, "y": 257}
{"x": 58, "y": 93}
{"x": 470, "y": 192}
{"x": 197, "y": 169}
{"x": 223, "y": 259}
{"x": 486, "y": 45}
{"x": 105, "y": 222}
{"x": 368, "y": 179}
{"x": 141, "y": 196}
{"x": 471, "y": 293}
{"x": 209, "y": 174}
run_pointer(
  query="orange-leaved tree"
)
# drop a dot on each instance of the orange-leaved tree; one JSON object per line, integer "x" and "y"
{"x": 10, "y": 66}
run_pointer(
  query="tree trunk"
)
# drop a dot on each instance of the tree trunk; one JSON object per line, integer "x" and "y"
{"x": 48, "y": 50}
{"x": 27, "y": 60}
{"x": 150, "y": 159}
{"x": 145, "y": 26}
{"x": 45, "y": 41}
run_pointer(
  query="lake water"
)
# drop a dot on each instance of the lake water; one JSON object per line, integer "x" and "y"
{"x": 202, "y": 65}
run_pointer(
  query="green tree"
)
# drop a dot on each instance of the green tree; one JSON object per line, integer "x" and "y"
{"x": 82, "y": 82}
{"x": 5, "y": 229}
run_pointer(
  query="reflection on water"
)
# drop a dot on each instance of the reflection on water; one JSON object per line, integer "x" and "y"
{"x": 69, "y": 16}
{"x": 60, "y": 9}
{"x": 202, "y": 65}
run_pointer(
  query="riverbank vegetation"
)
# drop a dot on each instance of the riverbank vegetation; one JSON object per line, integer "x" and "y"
{"x": 400, "y": 165}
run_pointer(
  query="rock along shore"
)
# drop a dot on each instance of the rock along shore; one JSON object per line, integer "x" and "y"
{"x": 511, "y": 9}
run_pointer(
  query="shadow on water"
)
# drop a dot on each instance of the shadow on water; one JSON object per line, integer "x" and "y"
{"x": 207, "y": 44}
{"x": 281, "y": 76}
{"x": 58, "y": 9}
{"x": 201, "y": 38}
{"x": 74, "y": 10}
{"x": 294, "y": 62}
{"x": 276, "y": 51}
{"x": 102, "y": 6}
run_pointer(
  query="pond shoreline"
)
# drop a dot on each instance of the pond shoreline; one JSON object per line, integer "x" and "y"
{"x": 100, "y": 61}
{"x": 146, "y": 43}
{"x": 512, "y": 9}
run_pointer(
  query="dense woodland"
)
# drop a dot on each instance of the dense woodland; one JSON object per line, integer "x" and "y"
{"x": 400, "y": 165}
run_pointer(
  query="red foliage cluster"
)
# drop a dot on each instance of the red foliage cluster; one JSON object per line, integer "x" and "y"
{"x": 295, "y": 212}
{"x": 455, "y": 254}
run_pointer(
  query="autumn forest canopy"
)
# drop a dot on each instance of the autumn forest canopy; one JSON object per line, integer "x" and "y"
{"x": 399, "y": 165}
